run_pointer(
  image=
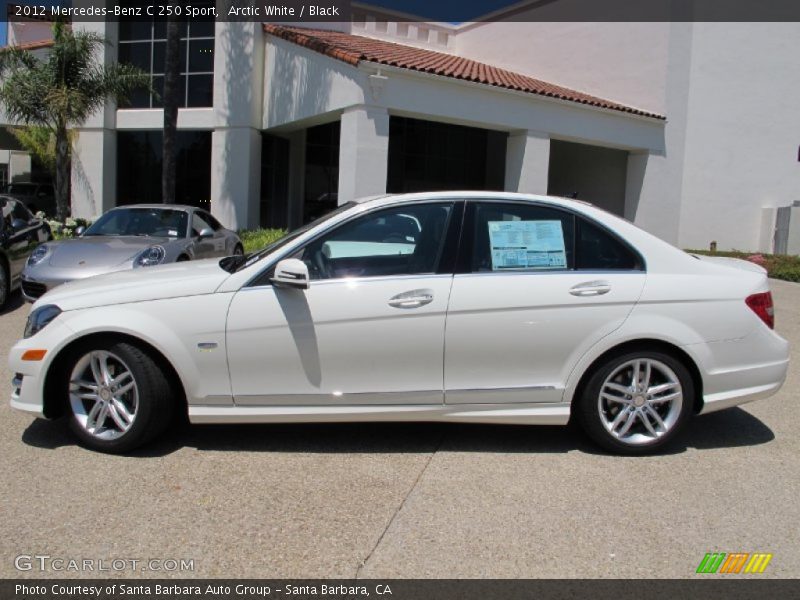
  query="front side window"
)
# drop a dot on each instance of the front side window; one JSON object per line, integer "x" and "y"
{"x": 21, "y": 213}
{"x": 405, "y": 240}
{"x": 208, "y": 218}
{"x": 199, "y": 224}
{"x": 518, "y": 237}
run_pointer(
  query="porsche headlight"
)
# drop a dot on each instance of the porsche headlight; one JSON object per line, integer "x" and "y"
{"x": 40, "y": 318}
{"x": 154, "y": 255}
{"x": 38, "y": 254}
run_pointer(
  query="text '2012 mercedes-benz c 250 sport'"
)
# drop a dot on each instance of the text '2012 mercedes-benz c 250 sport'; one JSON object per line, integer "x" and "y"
{"x": 464, "y": 306}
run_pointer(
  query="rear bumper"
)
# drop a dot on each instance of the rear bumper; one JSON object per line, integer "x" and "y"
{"x": 739, "y": 371}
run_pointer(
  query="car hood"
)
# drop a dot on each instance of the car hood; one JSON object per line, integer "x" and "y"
{"x": 138, "y": 285}
{"x": 99, "y": 251}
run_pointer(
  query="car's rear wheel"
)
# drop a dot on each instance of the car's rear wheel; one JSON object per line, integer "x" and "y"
{"x": 119, "y": 397}
{"x": 238, "y": 250}
{"x": 636, "y": 403}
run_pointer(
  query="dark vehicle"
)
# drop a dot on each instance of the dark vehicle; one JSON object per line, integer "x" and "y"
{"x": 35, "y": 196}
{"x": 20, "y": 233}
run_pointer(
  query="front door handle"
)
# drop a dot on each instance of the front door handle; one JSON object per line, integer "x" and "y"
{"x": 590, "y": 288}
{"x": 412, "y": 299}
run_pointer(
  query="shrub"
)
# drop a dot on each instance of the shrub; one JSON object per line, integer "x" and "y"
{"x": 255, "y": 239}
{"x": 778, "y": 266}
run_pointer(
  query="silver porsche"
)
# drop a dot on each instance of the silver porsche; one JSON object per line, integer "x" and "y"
{"x": 128, "y": 237}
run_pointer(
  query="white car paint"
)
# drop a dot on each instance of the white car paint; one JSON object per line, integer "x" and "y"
{"x": 506, "y": 347}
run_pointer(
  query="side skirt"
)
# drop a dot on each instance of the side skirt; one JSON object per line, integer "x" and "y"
{"x": 523, "y": 414}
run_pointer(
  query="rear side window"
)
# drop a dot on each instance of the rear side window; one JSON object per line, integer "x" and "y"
{"x": 597, "y": 249}
{"x": 518, "y": 237}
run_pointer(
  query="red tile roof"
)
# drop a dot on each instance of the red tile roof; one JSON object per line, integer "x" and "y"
{"x": 353, "y": 49}
{"x": 35, "y": 45}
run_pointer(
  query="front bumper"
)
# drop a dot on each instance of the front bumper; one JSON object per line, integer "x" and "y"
{"x": 33, "y": 289}
{"x": 26, "y": 395}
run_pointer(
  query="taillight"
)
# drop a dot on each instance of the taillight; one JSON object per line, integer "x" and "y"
{"x": 761, "y": 304}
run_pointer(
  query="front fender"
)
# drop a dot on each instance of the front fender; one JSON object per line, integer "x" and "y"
{"x": 175, "y": 328}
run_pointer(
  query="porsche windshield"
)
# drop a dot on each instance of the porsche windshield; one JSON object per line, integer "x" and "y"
{"x": 151, "y": 222}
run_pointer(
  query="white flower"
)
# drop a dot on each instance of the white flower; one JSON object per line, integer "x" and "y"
{"x": 70, "y": 222}
{"x": 39, "y": 214}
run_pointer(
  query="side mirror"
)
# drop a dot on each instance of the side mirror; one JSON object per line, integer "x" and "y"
{"x": 80, "y": 230}
{"x": 205, "y": 233}
{"x": 292, "y": 273}
{"x": 19, "y": 224}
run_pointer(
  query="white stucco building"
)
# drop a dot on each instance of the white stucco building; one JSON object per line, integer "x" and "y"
{"x": 690, "y": 130}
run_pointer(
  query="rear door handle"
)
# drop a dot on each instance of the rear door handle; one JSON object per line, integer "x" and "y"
{"x": 590, "y": 288}
{"x": 412, "y": 299}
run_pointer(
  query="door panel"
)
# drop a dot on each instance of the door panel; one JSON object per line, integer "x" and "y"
{"x": 513, "y": 337}
{"x": 370, "y": 328}
{"x": 537, "y": 286}
{"x": 339, "y": 342}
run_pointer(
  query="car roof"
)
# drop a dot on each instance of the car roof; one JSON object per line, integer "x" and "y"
{"x": 475, "y": 195}
{"x": 159, "y": 206}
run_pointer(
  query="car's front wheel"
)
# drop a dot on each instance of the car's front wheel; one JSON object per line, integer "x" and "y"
{"x": 119, "y": 397}
{"x": 636, "y": 403}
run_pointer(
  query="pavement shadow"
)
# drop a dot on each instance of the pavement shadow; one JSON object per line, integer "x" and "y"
{"x": 727, "y": 429}
{"x": 14, "y": 301}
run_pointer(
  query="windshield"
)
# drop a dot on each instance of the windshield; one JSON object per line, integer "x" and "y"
{"x": 155, "y": 222}
{"x": 292, "y": 235}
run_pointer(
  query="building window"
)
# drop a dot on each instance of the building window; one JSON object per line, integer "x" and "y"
{"x": 429, "y": 156}
{"x": 143, "y": 44}
{"x": 139, "y": 163}
{"x": 322, "y": 170}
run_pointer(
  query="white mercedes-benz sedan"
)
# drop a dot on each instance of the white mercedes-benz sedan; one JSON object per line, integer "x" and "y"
{"x": 464, "y": 306}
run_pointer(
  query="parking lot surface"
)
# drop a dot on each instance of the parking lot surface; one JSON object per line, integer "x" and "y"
{"x": 407, "y": 500}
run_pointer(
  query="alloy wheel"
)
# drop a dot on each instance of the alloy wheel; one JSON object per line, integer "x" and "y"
{"x": 640, "y": 401}
{"x": 103, "y": 395}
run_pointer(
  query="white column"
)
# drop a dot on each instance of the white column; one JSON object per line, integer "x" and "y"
{"x": 236, "y": 176}
{"x": 94, "y": 172}
{"x": 527, "y": 162}
{"x": 94, "y": 151}
{"x": 363, "y": 152}
{"x": 236, "y": 140}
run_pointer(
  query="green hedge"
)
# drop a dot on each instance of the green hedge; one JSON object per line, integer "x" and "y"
{"x": 256, "y": 239}
{"x": 779, "y": 266}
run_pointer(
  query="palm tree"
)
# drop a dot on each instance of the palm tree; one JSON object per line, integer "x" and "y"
{"x": 62, "y": 90}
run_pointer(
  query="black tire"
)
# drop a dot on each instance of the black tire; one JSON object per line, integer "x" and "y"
{"x": 238, "y": 250}
{"x": 587, "y": 409}
{"x": 183, "y": 258}
{"x": 156, "y": 397}
{"x": 5, "y": 283}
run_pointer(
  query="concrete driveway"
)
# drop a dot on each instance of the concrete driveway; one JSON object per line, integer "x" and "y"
{"x": 408, "y": 500}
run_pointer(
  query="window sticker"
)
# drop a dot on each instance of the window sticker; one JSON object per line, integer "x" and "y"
{"x": 527, "y": 245}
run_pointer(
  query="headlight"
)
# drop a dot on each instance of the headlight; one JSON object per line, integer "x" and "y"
{"x": 154, "y": 255}
{"x": 39, "y": 319}
{"x": 38, "y": 254}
